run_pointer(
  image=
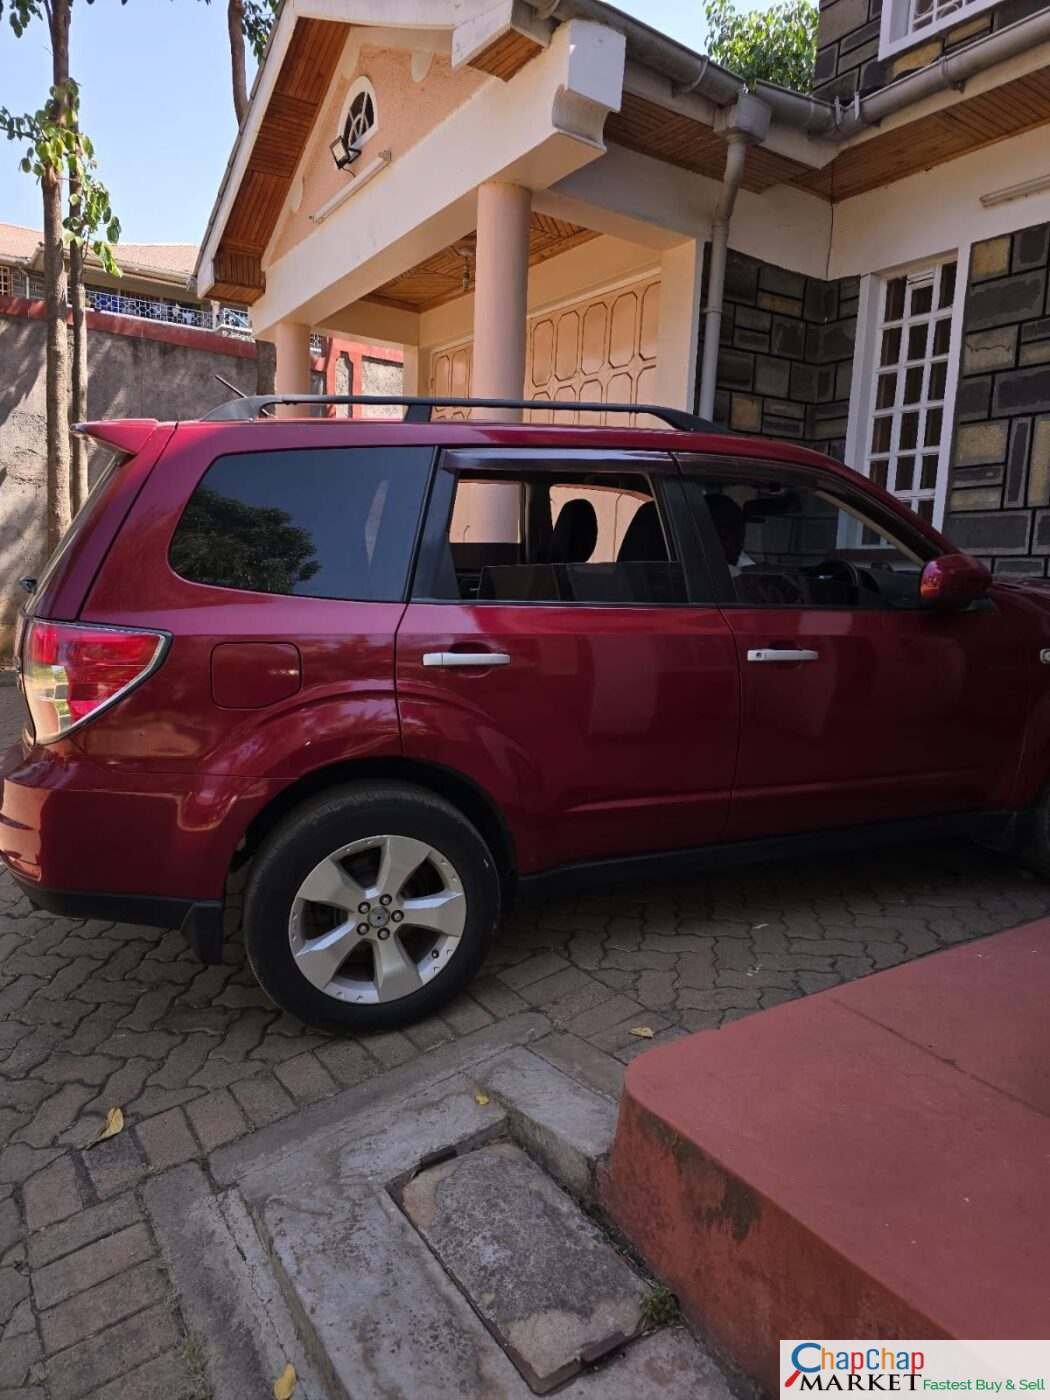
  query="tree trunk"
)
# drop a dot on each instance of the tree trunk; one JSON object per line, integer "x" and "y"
{"x": 78, "y": 408}
{"x": 235, "y": 24}
{"x": 58, "y": 498}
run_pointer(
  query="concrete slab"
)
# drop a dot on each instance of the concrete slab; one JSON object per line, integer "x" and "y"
{"x": 230, "y": 1299}
{"x": 330, "y": 1120}
{"x": 377, "y": 1148}
{"x": 564, "y": 1125}
{"x": 665, "y": 1365}
{"x": 547, "y": 1282}
{"x": 376, "y": 1309}
{"x": 306, "y": 1256}
{"x": 835, "y": 1166}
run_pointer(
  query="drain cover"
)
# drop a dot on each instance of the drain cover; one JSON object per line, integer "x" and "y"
{"x": 546, "y": 1281}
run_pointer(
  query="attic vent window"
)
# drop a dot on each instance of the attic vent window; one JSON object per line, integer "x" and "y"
{"x": 359, "y": 124}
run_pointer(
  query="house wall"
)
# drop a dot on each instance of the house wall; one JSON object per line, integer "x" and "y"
{"x": 130, "y": 375}
{"x": 785, "y": 367}
{"x": 999, "y": 504}
{"x": 601, "y": 347}
{"x": 407, "y": 109}
{"x": 848, "y": 59}
{"x": 347, "y": 367}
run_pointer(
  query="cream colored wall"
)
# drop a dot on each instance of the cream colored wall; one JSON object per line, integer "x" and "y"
{"x": 406, "y": 109}
{"x": 598, "y": 347}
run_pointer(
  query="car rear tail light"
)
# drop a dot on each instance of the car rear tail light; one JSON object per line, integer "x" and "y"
{"x": 73, "y": 671}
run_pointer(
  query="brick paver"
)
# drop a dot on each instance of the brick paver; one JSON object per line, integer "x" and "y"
{"x": 96, "y": 1015}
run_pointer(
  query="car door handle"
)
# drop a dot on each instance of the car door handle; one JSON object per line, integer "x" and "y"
{"x": 466, "y": 658}
{"x": 781, "y": 654}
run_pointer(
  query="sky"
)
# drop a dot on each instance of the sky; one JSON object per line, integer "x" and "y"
{"x": 155, "y": 99}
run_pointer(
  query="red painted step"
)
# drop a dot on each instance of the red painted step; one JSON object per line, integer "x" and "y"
{"x": 872, "y": 1161}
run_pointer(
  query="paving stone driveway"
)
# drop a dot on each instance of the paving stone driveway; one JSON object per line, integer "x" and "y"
{"x": 95, "y": 1015}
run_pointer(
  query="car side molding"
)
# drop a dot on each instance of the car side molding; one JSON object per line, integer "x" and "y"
{"x": 997, "y": 829}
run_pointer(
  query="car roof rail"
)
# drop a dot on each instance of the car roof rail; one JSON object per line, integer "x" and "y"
{"x": 419, "y": 410}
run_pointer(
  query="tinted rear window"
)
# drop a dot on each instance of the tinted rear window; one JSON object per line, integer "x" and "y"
{"x": 320, "y": 523}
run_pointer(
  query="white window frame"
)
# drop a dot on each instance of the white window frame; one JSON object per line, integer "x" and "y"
{"x": 357, "y": 87}
{"x": 866, "y": 369}
{"x": 897, "y": 32}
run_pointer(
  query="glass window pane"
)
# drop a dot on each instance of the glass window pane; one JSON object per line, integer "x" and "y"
{"x": 592, "y": 543}
{"x": 877, "y": 472}
{"x": 895, "y": 299}
{"x": 921, "y": 300}
{"x": 913, "y": 385}
{"x": 886, "y": 391}
{"x": 925, "y": 510}
{"x": 320, "y": 523}
{"x": 797, "y": 537}
{"x": 917, "y": 337}
{"x": 947, "y": 287}
{"x": 891, "y": 346}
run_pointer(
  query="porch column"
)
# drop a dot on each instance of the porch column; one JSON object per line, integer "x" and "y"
{"x": 501, "y": 289}
{"x": 501, "y": 294}
{"x": 681, "y": 273}
{"x": 291, "y": 340}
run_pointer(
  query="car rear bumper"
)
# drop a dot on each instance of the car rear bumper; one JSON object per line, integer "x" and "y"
{"x": 200, "y": 920}
{"x": 94, "y": 842}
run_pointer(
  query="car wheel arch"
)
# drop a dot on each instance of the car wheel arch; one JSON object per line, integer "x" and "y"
{"x": 477, "y": 805}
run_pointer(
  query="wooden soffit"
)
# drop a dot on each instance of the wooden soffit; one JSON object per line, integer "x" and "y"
{"x": 652, "y": 130}
{"x": 507, "y": 55}
{"x": 1009, "y": 110}
{"x": 301, "y": 88}
{"x": 450, "y": 273}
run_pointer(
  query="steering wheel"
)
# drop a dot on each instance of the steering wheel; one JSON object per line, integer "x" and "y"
{"x": 837, "y": 571}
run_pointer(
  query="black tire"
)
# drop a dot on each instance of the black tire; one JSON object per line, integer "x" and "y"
{"x": 322, "y": 826}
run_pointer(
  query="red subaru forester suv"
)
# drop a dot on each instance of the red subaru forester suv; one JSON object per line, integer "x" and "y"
{"x": 405, "y": 670}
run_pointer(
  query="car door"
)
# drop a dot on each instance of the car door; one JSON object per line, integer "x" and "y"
{"x": 551, "y": 654}
{"x": 857, "y": 704}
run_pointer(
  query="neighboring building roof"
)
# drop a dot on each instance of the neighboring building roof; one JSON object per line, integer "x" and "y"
{"x": 174, "y": 258}
{"x": 169, "y": 261}
{"x": 18, "y": 242}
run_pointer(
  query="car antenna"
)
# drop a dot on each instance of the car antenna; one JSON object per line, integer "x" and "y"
{"x": 232, "y": 387}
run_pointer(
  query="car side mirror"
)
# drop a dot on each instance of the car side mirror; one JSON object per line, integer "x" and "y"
{"x": 953, "y": 581}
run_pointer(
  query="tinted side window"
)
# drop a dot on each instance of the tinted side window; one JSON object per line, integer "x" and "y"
{"x": 787, "y": 545}
{"x": 546, "y": 538}
{"x": 320, "y": 523}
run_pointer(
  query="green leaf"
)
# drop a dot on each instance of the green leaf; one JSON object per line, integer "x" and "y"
{"x": 777, "y": 45}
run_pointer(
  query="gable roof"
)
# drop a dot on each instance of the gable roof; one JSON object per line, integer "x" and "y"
{"x": 671, "y": 94}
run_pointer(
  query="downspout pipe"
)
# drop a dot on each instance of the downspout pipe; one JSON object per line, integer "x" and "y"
{"x": 743, "y": 124}
{"x": 736, "y": 157}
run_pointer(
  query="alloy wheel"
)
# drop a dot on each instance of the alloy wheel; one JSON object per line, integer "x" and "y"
{"x": 377, "y": 919}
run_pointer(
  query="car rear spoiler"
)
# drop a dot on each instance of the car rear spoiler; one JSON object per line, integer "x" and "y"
{"x": 128, "y": 435}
